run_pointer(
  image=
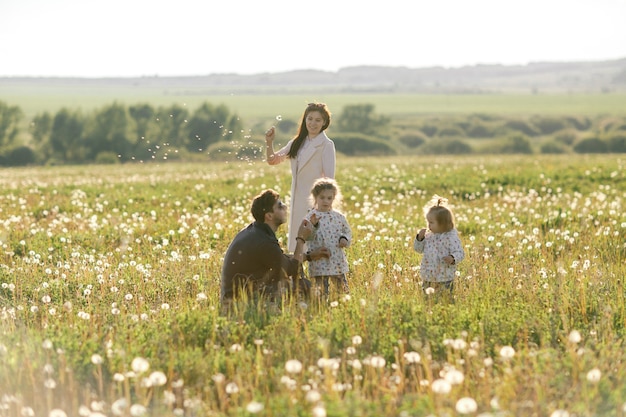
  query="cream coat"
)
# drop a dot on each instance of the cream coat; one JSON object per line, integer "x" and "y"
{"x": 316, "y": 160}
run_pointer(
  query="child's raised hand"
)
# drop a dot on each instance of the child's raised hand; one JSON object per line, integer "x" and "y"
{"x": 314, "y": 220}
{"x": 421, "y": 234}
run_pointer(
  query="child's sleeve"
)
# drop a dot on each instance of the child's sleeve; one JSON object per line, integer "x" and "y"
{"x": 456, "y": 248}
{"x": 418, "y": 245}
{"x": 345, "y": 230}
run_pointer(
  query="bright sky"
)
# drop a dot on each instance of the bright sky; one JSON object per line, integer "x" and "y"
{"x": 198, "y": 37}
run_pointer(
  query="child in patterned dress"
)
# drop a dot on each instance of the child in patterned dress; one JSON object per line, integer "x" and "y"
{"x": 441, "y": 247}
{"x": 331, "y": 231}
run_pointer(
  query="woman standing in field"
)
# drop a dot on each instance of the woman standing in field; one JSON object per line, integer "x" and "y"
{"x": 312, "y": 156}
{"x": 331, "y": 231}
{"x": 441, "y": 247}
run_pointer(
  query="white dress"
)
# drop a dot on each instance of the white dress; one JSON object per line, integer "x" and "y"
{"x": 316, "y": 159}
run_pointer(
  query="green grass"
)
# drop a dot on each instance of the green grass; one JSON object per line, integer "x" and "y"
{"x": 124, "y": 263}
{"x": 259, "y": 106}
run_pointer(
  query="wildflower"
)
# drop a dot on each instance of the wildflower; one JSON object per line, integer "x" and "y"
{"x": 57, "y": 412}
{"x": 137, "y": 410}
{"x": 27, "y": 412}
{"x": 236, "y": 347}
{"x": 231, "y": 388}
{"x": 559, "y": 413}
{"x": 466, "y": 405}
{"x": 377, "y": 362}
{"x": 96, "y": 359}
{"x": 318, "y": 411}
{"x": 507, "y": 352}
{"x": 158, "y": 378}
{"x": 454, "y": 376}
{"x": 574, "y": 337}
{"x": 293, "y": 366}
{"x": 357, "y": 340}
{"x": 313, "y": 396}
{"x": 441, "y": 386}
{"x": 139, "y": 365}
{"x": 254, "y": 407}
{"x": 412, "y": 357}
{"x": 594, "y": 375}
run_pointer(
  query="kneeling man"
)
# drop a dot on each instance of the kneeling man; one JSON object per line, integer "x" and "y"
{"x": 255, "y": 265}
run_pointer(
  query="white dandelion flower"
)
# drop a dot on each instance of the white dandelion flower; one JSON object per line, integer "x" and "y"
{"x": 594, "y": 375}
{"x": 574, "y": 337}
{"x": 507, "y": 352}
{"x": 466, "y": 405}
{"x": 441, "y": 386}
{"x": 140, "y": 365}
{"x": 254, "y": 407}
{"x": 293, "y": 366}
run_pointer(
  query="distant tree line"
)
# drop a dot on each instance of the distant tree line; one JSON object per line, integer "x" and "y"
{"x": 142, "y": 132}
{"x": 115, "y": 133}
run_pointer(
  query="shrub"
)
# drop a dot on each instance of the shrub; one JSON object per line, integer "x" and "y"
{"x": 579, "y": 123}
{"x": 553, "y": 148}
{"x": 566, "y": 136}
{"x": 617, "y": 143}
{"x": 107, "y": 157}
{"x": 287, "y": 126}
{"x": 591, "y": 145}
{"x": 612, "y": 124}
{"x": 354, "y": 144}
{"x": 512, "y": 145}
{"x": 548, "y": 125}
{"x": 223, "y": 151}
{"x": 451, "y": 132}
{"x": 20, "y": 156}
{"x": 429, "y": 129}
{"x": 413, "y": 140}
{"x": 446, "y": 147}
{"x": 521, "y": 126}
{"x": 479, "y": 130}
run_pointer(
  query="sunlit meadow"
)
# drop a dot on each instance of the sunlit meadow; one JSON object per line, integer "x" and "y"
{"x": 109, "y": 286}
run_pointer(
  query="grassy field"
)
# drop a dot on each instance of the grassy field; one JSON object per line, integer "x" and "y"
{"x": 253, "y": 108}
{"x": 109, "y": 284}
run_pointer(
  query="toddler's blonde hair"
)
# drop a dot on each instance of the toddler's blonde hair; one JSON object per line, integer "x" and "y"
{"x": 439, "y": 209}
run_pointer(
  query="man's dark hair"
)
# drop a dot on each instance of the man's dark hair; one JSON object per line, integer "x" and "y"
{"x": 263, "y": 203}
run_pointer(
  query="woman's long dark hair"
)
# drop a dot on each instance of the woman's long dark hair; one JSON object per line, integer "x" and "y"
{"x": 303, "y": 132}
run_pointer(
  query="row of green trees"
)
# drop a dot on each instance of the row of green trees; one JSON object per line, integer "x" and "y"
{"x": 140, "y": 132}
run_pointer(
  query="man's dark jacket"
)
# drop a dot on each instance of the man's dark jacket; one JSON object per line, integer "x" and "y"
{"x": 255, "y": 261}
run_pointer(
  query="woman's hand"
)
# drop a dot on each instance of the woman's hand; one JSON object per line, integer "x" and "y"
{"x": 270, "y": 134}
